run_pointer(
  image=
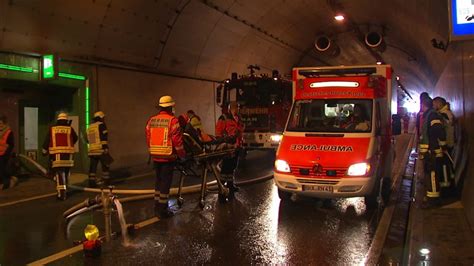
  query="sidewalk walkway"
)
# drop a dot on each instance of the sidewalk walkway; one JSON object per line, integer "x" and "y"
{"x": 444, "y": 231}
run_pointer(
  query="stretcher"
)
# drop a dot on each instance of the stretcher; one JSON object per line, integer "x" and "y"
{"x": 205, "y": 157}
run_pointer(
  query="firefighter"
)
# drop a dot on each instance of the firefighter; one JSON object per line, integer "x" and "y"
{"x": 431, "y": 146}
{"x": 406, "y": 122}
{"x": 441, "y": 106}
{"x": 165, "y": 144}
{"x": 6, "y": 148}
{"x": 59, "y": 144}
{"x": 419, "y": 116}
{"x": 97, "y": 137}
{"x": 231, "y": 127}
{"x": 195, "y": 122}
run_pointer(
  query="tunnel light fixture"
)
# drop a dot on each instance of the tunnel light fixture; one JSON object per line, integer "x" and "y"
{"x": 16, "y": 68}
{"x": 379, "y": 62}
{"x": 339, "y": 17}
{"x": 87, "y": 104}
{"x": 325, "y": 84}
{"x": 398, "y": 78}
{"x": 71, "y": 76}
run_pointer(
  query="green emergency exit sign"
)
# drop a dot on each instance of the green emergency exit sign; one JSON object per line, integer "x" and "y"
{"x": 49, "y": 67}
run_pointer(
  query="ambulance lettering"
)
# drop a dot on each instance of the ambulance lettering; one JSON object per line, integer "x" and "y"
{"x": 312, "y": 147}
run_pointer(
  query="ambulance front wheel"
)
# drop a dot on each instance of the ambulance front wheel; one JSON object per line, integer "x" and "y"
{"x": 283, "y": 195}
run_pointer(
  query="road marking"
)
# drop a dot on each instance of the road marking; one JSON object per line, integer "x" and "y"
{"x": 57, "y": 256}
{"x": 376, "y": 247}
{"x": 27, "y": 199}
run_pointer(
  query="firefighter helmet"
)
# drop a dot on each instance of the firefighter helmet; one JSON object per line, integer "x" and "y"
{"x": 166, "y": 101}
{"x": 99, "y": 114}
{"x": 62, "y": 116}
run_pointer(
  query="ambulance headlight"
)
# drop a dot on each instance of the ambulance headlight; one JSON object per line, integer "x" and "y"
{"x": 282, "y": 166}
{"x": 276, "y": 138}
{"x": 358, "y": 169}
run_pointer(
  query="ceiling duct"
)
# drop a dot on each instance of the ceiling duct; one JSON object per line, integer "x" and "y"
{"x": 325, "y": 45}
{"x": 375, "y": 41}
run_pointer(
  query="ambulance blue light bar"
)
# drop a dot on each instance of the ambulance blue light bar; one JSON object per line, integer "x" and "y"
{"x": 326, "y": 84}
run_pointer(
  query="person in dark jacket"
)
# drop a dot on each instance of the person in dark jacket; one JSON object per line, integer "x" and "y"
{"x": 431, "y": 146}
{"x": 6, "y": 147}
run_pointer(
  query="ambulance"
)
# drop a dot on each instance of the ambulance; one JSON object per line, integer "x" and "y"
{"x": 337, "y": 140}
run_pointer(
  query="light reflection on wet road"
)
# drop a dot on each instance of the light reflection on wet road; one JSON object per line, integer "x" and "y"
{"x": 254, "y": 228}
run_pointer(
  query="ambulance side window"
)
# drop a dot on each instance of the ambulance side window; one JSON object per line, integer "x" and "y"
{"x": 378, "y": 124}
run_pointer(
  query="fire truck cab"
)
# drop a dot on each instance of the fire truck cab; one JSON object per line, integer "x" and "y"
{"x": 337, "y": 140}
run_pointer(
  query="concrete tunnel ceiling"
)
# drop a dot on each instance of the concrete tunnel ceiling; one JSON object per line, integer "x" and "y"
{"x": 210, "y": 39}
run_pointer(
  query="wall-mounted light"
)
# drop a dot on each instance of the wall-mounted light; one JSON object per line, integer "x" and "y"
{"x": 379, "y": 62}
{"x": 339, "y": 17}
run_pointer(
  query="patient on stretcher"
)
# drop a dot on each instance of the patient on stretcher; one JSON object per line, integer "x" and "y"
{"x": 194, "y": 145}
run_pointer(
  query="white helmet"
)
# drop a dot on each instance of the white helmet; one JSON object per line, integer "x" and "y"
{"x": 99, "y": 114}
{"x": 62, "y": 116}
{"x": 166, "y": 101}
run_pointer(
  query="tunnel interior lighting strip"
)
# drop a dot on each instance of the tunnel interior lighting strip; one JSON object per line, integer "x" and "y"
{"x": 71, "y": 76}
{"x": 16, "y": 68}
{"x": 87, "y": 107}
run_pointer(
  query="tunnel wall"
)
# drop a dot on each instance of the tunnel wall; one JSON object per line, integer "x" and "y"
{"x": 456, "y": 84}
{"x": 129, "y": 98}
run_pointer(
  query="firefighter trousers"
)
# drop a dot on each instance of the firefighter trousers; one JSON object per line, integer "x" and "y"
{"x": 164, "y": 176}
{"x": 433, "y": 173}
{"x": 62, "y": 180}
{"x": 229, "y": 165}
{"x": 94, "y": 162}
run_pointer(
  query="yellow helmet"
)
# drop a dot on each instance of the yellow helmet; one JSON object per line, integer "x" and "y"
{"x": 99, "y": 114}
{"x": 166, "y": 101}
{"x": 62, "y": 116}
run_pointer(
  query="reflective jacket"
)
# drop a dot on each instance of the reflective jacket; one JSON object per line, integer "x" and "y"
{"x": 61, "y": 140}
{"x": 97, "y": 138}
{"x": 231, "y": 126}
{"x": 164, "y": 138}
{"x": 5, "y": 146}
{"x": 433, "y": 135}
{"x": 59, "y": 143}
{"x": 448, "y": 122}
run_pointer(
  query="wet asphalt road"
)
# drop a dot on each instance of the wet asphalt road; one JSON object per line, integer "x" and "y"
{"x": 253, "y": 228}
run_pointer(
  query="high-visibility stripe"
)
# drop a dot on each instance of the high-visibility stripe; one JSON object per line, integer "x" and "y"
{"x": 432, "y": 194}
{"x": 163, "y": 200}
{"x": 442, "y": 143}
{"x": 433, "y": 181}
{"x": 59, "y": 187}
{"x": 63, "y": 163}
{"x": 435, "y": 121}
{"x": 446, "y": 182}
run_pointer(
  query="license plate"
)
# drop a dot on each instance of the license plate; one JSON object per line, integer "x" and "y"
{"x": 318, "y": 188}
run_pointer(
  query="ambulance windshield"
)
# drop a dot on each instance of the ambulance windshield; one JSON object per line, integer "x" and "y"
{"x": 331, "y": 115}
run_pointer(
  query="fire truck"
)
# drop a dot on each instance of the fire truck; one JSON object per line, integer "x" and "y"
{"x": 264, "y": 103}
{"x": 337, "y": 140}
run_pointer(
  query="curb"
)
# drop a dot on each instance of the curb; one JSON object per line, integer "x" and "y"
{"x": 376, "y": 247}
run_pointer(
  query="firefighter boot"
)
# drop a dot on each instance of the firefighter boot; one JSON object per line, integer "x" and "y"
{"x": 92, "y": 180}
